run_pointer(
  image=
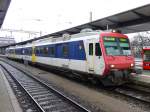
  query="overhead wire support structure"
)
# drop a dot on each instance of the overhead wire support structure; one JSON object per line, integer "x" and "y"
{"x": 21, "y": 31}
{"x": 131, "y": 21}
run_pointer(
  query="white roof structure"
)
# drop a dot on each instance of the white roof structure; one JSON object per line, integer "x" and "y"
{"x": 131, "y": 21}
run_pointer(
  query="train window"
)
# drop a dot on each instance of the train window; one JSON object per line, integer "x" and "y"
{"x": 52, "y": 51}
{"x": 65, "y": 50}
{"x": 81, "y": 46}
{"x": 146, "y": 55}
{"x": 23, "y": 51}
{"x": 33, "y": 50}
{"x": 45, "y": 50}
{"x": 37, "y": 50}
{"x": 27, "y": 51}
{"x": 97, "y": 50}
{"x": 16, "y": 51}
{"x": 30, "y": 51}
{"x": 41, "y": 50}
{"x": 91, "y": 49}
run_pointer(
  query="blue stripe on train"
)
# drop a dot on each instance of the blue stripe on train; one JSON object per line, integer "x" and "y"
{"x": 68, "y": 50}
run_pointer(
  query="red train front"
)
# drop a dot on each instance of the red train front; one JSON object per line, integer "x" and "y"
{"x": 146, "y": 58}
{"x": 119, "y": 61}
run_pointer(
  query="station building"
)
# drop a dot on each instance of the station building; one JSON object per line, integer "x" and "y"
{"x": 4, "y": 41}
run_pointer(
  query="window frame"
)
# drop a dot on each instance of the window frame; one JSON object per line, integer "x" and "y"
{"x": 65, "y": 50}
{"x": 52, "y": 50}
{"x": 98, "y": 51}
{"x": 91, "y": 48}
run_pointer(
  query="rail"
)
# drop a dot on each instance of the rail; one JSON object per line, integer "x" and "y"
{"x": 38, "y": 90}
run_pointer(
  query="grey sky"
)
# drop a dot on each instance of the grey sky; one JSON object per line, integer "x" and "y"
{"x": 54, "y": 15}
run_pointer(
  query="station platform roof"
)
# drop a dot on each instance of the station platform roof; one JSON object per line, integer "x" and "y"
{"x": 131, "y": 21}
{"x": 135, "y": 20}
{"x": 4, "y": 4}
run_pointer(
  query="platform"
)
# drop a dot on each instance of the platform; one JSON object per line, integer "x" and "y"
{"x": 8, "y": 102}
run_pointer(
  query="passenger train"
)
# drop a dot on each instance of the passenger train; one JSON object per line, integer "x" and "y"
{"x": 105, "y": 56}
{"x": 146, "y": 57}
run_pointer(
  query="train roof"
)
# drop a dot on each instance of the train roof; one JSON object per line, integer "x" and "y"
{"x": 68, "y": 38}
{"x": 135, "y": 20}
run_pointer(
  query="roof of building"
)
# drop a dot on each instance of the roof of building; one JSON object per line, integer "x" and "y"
{"x": 135, "y": 20}
{"x": 4, "y": 4}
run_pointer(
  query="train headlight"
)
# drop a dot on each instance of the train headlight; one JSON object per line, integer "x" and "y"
{"x": 112, "y": 66}
{"x": 132, "y": 64}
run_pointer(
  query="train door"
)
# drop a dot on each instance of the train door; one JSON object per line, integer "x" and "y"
{"x": 33, "y": 58}
{"x": 98, "y": 60}
{"x": 90, "y": 56}
{"x": 94, "y": 57}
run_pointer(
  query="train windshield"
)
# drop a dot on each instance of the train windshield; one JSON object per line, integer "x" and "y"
{"x": 147, "y": 55}
{"x": 117, "y": 46}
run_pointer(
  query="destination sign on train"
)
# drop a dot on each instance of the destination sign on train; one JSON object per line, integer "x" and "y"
{"x": 123, "y": 40}
{"x": 109, "y": 38}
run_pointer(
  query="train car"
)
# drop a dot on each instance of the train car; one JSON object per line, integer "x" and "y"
{"x": 27, "y": 52}
{"x": 97, "y": 55}
{"x": 146, "y": 58}
{"x": 10, "y": 52}
{"x": 18, "y": 52}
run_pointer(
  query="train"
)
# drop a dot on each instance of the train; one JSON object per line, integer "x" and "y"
{"x": 146, "y": 57}
{"x": 98, "y": 55}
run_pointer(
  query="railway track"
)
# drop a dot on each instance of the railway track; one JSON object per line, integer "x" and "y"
{"x": 134, "y": 93}
{"x": 130, "y": 92}
{"x": 44, "y": 98}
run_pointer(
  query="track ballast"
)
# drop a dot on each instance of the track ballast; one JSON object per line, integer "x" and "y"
{"x": 44, "y": 97}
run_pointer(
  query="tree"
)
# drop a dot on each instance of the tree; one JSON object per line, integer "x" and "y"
{"x": 140, "y": 40}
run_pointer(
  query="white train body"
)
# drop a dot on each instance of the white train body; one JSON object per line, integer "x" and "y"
{"x": 87, "y": 65}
